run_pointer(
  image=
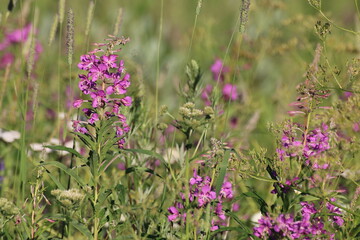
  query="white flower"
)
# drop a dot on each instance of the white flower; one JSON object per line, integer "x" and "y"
{"x": 177, "y": 154}
{"x": 39, "y": 147}
{"x": 9, "y": 136}
{"x": 256, "y": 217}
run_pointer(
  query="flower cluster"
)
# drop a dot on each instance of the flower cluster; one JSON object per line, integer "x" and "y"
{"x": 316, "y": 142}
{"x": 15, "y": 37}
{"x": 201, "y": 194}
{"x": 105, "y": 79}
{"x": 286, "y": 227}
{"x": 229, "y": 91}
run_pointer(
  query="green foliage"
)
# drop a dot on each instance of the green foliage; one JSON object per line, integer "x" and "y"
{"x": 299, "y": 58}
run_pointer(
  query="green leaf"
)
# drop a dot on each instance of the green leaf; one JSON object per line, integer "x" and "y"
{"x": 222, "y": 172}
{"x": 121, "y": 192}
{"x": 67, "y": 170}
{"x": 82, "y": 228}
{"x": 66, "y": 149}
{"x": 224, "y": 229}
{"x": 262, "y": 204}
{"x": 86, "y": 139}
{"x": 105, "y": 128}
{"x": 242, "y": 225}
{"x": 150, "y": 153}
{"x": 111, "y": 142}
{"x": 265, "y": 179}
{"x": 57, "y": 182}
{"x": 104, "y": 195}
{"x": 141, "y": 169}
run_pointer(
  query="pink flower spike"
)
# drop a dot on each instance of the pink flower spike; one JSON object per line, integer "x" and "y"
{"x": 50, "y": 220}
{"x": 293, "y": 113}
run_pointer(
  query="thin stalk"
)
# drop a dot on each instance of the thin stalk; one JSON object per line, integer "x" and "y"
{"x": 194, "y": 27}
{"x": 337, "y": 26}
{"x": 357, "y": 8}
{"x": 158, "y": 68}
{"x": 227, "y": 50}
{"x": 328, "y": 63}
{"x": 332, "y": 22}
{"x": 232, "y": 81}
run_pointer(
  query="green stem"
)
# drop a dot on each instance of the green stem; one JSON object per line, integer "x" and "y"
{"x": 158, "y": 68}
{"x": 328, "y": 63}
{"x": 357, "y": 8}
{"x": 332, "y": 22}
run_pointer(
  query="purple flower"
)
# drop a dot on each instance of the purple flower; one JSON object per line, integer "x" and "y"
{"x": 121, "y": 166}
{"x": 175, "y": 214}
{"x": 6, "y": 59}
{"x": 356, "y": 127}
{"x": 285, "y": 226}
{"x": 126, "y": 101}
{"x": 110, "y": 60}
{"x": 98, "y": 99}
{"x": 77, "y": 103}
{"x": 86, "y": 62}
{"x": 196, "y": 179}
{"x": 97, "y": 71}
{"x": 218, "y": 70}
{"x": 229, "y": 92}
{"x": 317, "y": 141}
{"x": 335, "y": 210}
{"x": 226, "y": 190}
{"x": 93, "y": 118}
{"x": 201, "y": 195}
{"x": 205, "y": 195}
{"x": 78, "y": 128}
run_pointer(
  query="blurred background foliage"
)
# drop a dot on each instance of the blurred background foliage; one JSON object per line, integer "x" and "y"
{"x": 267, "y": 62}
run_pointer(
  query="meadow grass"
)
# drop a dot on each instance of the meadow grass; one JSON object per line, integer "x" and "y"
{"x": 179, "y": 119}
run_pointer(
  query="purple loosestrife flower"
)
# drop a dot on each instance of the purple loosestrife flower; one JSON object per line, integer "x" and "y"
{"x": 175, "y": 213}
{"x": 202, "y": 194}
{"x": 229, "y": 92}
{"x": 218, "y": 70}
{"x": 6, "y": 59}
{"x": 287, "y": 227}
{"x": 15, "y": 37}
{"x": 316, "y": 142}
{"x": 105, "y": 78}
{"x": 335, "y": 210}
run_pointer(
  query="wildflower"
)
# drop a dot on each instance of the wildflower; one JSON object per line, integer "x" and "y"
{"x": 77, "y": 103}
{"x": 6, "y": 59}
{"x": 317, "y": 142}
{"x": 69, "y": 198}
{"x": 356, "y": 127}
{"x": 218, "y": 70}
{"x": 334, "y": 210}
{"x": 105, "y": 76}
{"x": 286, "y": 227}
{"x": 9, "y": 136}
{"x": 202, "y": 193}
{"x": 229, "y": 92}
{"x": 15, "y": 37}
